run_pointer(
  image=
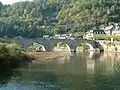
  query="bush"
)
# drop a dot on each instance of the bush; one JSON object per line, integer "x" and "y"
{"x": 105, "y": 37}
{"x": 10, "y": 53}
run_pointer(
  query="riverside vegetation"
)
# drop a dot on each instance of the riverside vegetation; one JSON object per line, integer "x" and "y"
{"x": 11, "y": 54}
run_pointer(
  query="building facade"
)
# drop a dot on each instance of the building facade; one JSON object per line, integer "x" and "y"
{"x": 90, "y": 35}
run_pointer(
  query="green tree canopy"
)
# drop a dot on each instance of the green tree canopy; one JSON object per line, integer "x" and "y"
{"x": 38, "y": 17}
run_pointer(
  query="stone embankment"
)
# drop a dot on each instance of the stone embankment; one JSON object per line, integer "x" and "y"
{"x": 47, "y": 55}
{"x": 110, "y": 46}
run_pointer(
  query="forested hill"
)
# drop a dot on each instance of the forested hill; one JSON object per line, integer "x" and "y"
{"x": 39, "y": 17}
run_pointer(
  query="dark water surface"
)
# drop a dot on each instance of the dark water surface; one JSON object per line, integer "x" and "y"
{"x": 82, "y": 71}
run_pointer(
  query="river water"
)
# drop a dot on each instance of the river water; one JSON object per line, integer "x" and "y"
{"x": 81, "y": 71}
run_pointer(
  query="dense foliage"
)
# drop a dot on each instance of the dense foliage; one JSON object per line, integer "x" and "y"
{"x": 11, "y": 53}
{"x": 39, "y": 17}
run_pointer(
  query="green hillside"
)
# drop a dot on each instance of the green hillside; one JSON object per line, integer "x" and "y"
{"x": 39, "y": 17}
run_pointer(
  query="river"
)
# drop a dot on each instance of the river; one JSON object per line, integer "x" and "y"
{"x": 81, "y": 71}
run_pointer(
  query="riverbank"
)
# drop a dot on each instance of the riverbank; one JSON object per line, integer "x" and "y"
{"x": 47, "y": 55}
{"x": 13, "y": 56}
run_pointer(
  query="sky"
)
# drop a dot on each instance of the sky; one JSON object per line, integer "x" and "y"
{"x": 12, "y": 1}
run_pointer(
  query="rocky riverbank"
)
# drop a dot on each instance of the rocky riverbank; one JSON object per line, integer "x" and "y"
{"x": 47, "y": 55}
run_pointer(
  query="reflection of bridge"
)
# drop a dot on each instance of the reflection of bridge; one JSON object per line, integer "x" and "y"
{"x": 50, "y": 44}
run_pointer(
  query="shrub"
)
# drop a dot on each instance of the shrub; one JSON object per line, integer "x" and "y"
{"x": 10, "y": 53}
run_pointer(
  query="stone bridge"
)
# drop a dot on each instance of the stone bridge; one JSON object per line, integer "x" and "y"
{"x": 50, "y": 44}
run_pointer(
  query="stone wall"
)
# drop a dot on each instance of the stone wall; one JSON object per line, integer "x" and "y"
{"x": 112, "y": 46}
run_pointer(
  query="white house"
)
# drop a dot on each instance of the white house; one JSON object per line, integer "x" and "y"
{"x": 112, "y": 30}
{"x": 93, "y": 33}
{"x": 108, "y": 29}
{"x": 57, "y": 36}
{"x": 88, "y": 35}
{"x": 62, "y": 36}
{"x": 45, "y": 36}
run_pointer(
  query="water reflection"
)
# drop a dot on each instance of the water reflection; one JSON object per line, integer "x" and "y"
{"x": 82, "y": 71}
{"x": 63, "y": 60}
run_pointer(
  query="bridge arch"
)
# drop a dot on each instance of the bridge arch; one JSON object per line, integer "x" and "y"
{"x": 37, "y": 46}
{"x": 91, "y": 48}
{"x": 61, "y": 46}
{"x": 85, "y": 46}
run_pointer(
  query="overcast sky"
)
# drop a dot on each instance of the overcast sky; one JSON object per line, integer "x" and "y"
{"x": 11, "y": 1}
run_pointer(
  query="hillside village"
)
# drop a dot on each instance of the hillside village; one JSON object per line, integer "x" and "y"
{"x": 113, "y": 29}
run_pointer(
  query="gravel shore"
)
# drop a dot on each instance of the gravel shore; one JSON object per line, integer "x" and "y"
{"x": 47, "y": 55}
